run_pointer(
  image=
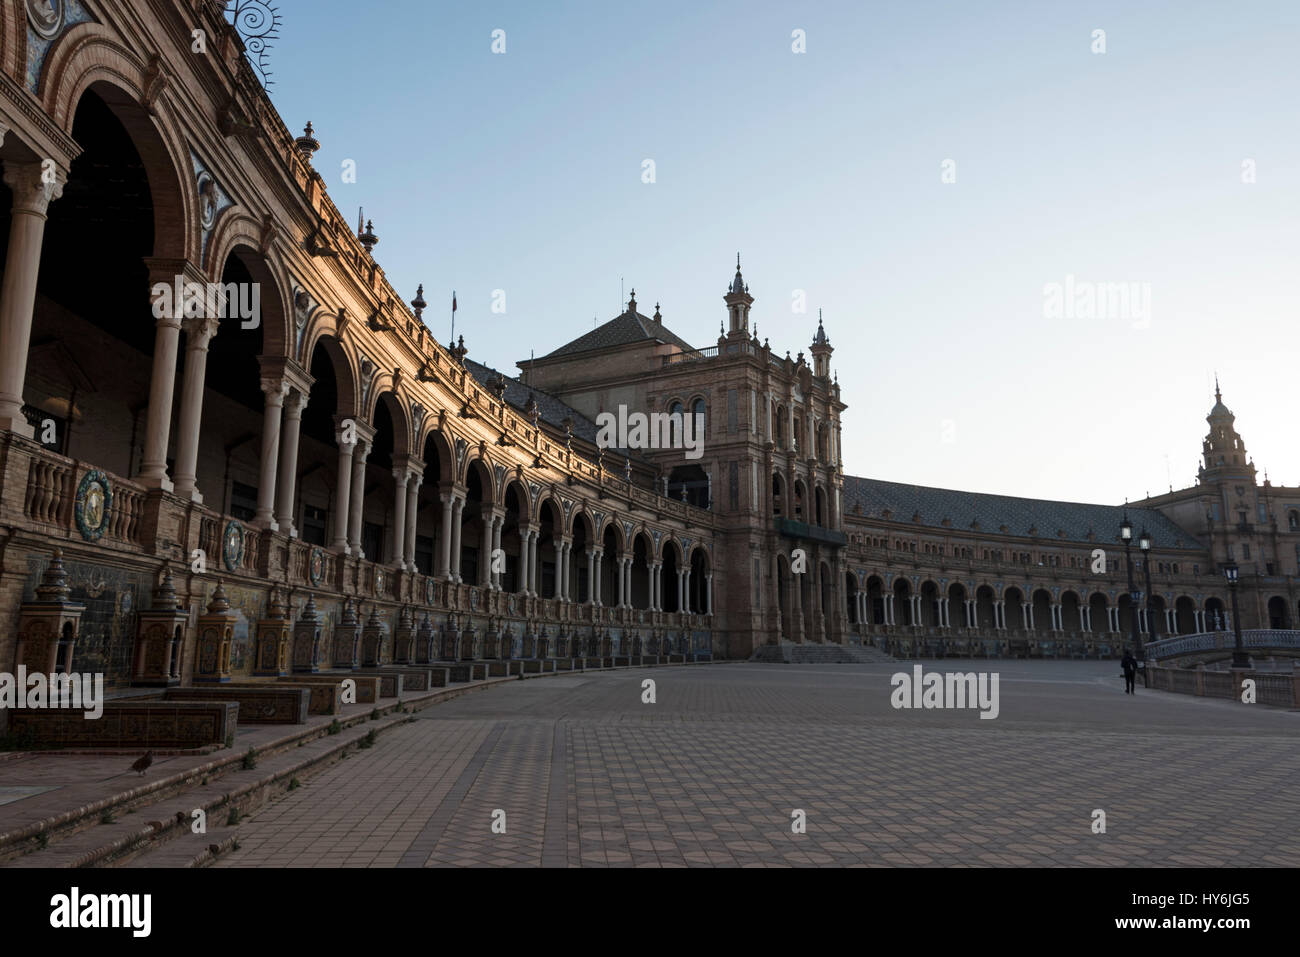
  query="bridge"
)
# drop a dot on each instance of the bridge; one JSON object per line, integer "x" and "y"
{"x": 1211, "y": 646}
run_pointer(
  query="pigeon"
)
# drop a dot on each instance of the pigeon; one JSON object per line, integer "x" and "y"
{"x": 141, "y": 765}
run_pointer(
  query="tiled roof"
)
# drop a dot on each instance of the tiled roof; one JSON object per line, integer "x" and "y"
{"x": 622, "y": 330}
{"x": 552, "y": 410}
{"x": 1019, "y": 515}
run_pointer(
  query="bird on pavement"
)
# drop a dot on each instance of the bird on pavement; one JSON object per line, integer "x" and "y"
{"x": 141, "y": 765}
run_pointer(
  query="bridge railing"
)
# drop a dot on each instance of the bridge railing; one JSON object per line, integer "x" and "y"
{"x": 1222, "y": 641}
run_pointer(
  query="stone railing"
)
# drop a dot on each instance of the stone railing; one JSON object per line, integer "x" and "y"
{"x": 1281, "y": 690}
{"x": 1211, "y": 641}
{"x": 50, "y": 496}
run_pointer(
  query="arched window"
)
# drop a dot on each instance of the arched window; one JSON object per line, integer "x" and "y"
{"x": 1293, "y": 520}
{"x": 701, "y": 413}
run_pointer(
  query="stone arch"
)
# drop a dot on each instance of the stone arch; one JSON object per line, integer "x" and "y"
{"x": 234, "y": 234}
{"x": 584, "y": 516}
{"x": 1184, "y": 615}
{"x": 612, "y": 522}
{"x": 401, "y": 420}
{"x": 1099, "y": 611}
{"x": 1279, "y": 612}
{"x": 1042, "y": 611}
{"x": 486, "y": 476}
{"x": 985, "y": 613}
{"x": 875, "y": 600}
{"x": 444, "y": 454}
{"x": 89, "y": 55}
{"x": 779, "y": 503}
{"x": 273, "y": 291}
{"x": 957, "y": 609}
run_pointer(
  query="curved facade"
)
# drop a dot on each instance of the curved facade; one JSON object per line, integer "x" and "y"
{"x": 205, "y": 375}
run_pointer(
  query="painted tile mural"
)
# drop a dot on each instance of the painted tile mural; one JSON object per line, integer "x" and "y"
{"x": 112, "y": 597}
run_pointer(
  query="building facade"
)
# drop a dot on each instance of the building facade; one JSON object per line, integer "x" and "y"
{"x": 214, "y": 403}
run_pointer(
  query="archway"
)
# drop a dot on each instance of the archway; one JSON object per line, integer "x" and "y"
{"x": 1185, "y": 615}
{"x": 1278, "y": 614}
{"x": 1014, "y": 609}
{"x": 902, "y": 602}
{"x": 985, "y": 614}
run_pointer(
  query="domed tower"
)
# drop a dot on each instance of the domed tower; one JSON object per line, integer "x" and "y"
{"x": 821, "y": 350}
{"x": 1223, "y": 450}
{"x": 738, "y": 301}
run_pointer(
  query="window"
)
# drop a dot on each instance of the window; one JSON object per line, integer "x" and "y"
{"x": 243, "y": 501}
{"x": 313, "y": 525}
{"x": 1293, "y": 520}
{"x": 701, "y": 415}
{"x": 1268, "y": 566}
{"x": 1245, "y": 552}
{"x": 1262, "y": 510}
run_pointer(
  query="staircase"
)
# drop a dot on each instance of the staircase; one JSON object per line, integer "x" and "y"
{"x": 815, "y": 654}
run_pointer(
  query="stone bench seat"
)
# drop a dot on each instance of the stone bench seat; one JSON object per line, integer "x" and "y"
{"x": 135, "y": 723}
{"x": 368, "y": 686}
{"x": 415, "y": 678}
{"x": 324, "y": 698}
{"x": 270, "y": 704}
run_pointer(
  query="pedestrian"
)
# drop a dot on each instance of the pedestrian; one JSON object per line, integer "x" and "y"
{"x": 1130, "y": 666}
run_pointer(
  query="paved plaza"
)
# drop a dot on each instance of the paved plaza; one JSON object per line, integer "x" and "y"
{"x": 712, "y": 772}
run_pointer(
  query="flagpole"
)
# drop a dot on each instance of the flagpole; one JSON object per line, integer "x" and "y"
{"x": 452, "y": 342}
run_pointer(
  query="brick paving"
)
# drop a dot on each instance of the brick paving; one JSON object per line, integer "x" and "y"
{"x": 588, "y": 775}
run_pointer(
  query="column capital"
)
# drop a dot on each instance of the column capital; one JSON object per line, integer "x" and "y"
{"x": 275, "y": 390}
{"x": 34, "y": 185}
{"x": 200, "y": 330}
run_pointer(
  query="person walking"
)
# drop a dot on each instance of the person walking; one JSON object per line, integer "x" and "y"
{"x": 1130, "y": 666}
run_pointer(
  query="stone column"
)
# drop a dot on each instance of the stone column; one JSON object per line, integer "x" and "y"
{"x": 412, "y": 510}
{"x": 524, "y": 535}
{"x": 559, "y": 569}
{"x": 342, "y": 504}
{"x": 456, "y": 520}
{"x": 199, "y": 332}
{"x": 621, "y": 563}
{"x": 401, "y": 478}
{"x": 681, "y": 603}
{"x": 293, "y": 406}
{"x": 708, "y": 593}
{"x": 32, "y": 197}
{"x": 444, "y": 535}
{"x": 591, "y": 576}
{"x": 485, "y": 549}
{"x": 650, "y": 585}
{"x": 600, "y": 557}
{"x": 498, "y": 522}
{"x": 567, "y": 577}
{"x": 274, "y": 390}
{"x": 158, "y": 421}
{"x": 358, "y": 500}
{"x": 533, "y": 564}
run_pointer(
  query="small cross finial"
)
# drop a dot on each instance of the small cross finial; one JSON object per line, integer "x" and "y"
{"x": 737, "y": 262}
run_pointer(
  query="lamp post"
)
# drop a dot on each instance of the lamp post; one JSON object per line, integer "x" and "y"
{"x": 1144, "y": 543}
{"x": 1239, "y": 657}
{"x": 1126, "y": 533}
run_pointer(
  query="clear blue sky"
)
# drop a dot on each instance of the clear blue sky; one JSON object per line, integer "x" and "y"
{"x": 522, "y": 172}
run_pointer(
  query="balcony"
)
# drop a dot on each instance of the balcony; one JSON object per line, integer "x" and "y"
{"x": 810, "y": 533}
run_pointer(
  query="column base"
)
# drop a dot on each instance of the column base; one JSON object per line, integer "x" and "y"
{"x": 188, "y": 490}
{"x": 340, "y": 547}
{"x": 18, "y": 425}
{"x": 286, "y": 527}
{"x": 159, "y": 482}
{"x": 269, "y": 524}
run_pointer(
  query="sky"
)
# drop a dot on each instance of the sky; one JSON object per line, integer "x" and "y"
{"x": 952, "y": 184}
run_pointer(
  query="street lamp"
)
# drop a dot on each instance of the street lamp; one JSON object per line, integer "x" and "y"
{"x": 1126, "y": 533}
{"x": 1239, "y": 657}
{"x": 1144, "y": 543}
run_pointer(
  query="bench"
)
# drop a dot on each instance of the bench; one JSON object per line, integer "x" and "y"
{"x": 269, "y": 704}
{"x": 367, "y": 685}
{"x": 132, "y": 723}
